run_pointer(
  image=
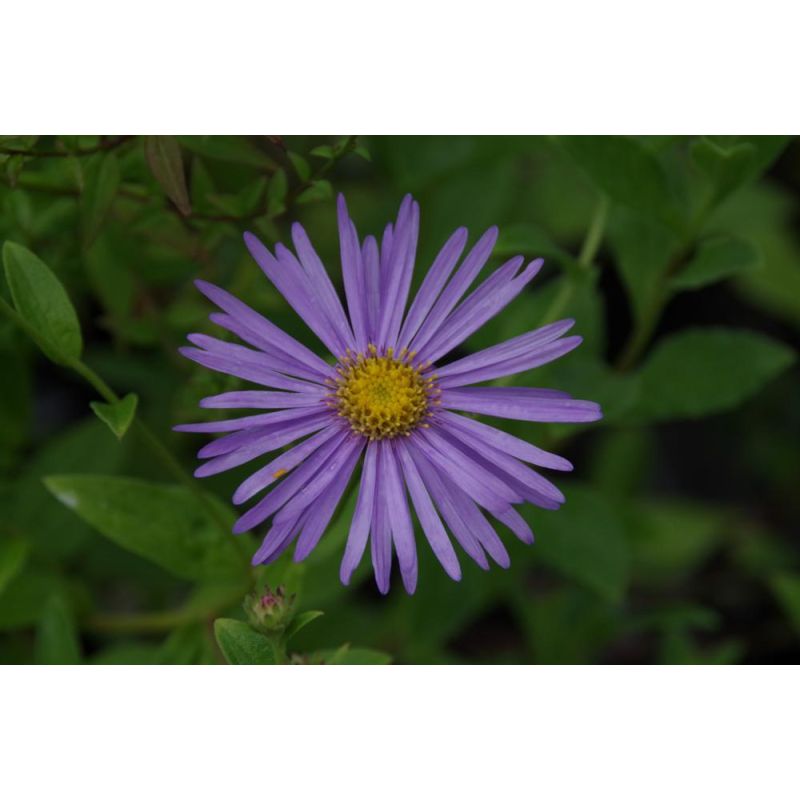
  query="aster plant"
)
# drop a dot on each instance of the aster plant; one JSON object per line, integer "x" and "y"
{"x": 388, "y": 399}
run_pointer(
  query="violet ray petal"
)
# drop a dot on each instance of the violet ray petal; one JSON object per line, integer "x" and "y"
{"x": 487, "y": 487}
{"x": 323, "y": 508}
{"x": 239, "y": 354}
{"x": 441, "y": 497}
{"x": 453, "y": 292}
{"x": 518, "y": 346}
{"x": 288, "y": 487}
{"x": 506, "y": 464}
{"x": 407, "y": 271}
{"x": 252, "y": 421}
{"x": 281, "y": 465}
{"x": 279, "y": 538}
{"x": 381, "y": 537}
{"x": 399, "y": 517}
{"x": 349, "y": 449}
{"x": 353, "y": 274}
{"x": 256, "y": 399}
{"x": 362, "y": 516}
{"x": 372, "y": 285}
{"x": 505, "y": 441}
{"x": 319, "y": 276}
{"x": 386, "y": 249}
{"x": 293, "y": 283}
{"x": 478, "y": 524}
{"x": 512, "y": 519}
{"x": 392, "y": 274}
{"x": 514, "y": 403}
{"x": 512, "y": 366}
{"x": 429, "y": 520}
{"x": 475, "y": 311}
{"x": 432, "y": 284}
{"x": 296, "y": 280}
{"x": 246, "y": 371}
{"x": 260, "y": 325}
{"x": 264, "y": 442}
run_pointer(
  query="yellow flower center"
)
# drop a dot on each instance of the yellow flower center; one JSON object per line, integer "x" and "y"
{"x": 383, "y": 396}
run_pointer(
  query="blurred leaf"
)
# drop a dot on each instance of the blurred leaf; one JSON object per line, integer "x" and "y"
{"x": 362, "y": 151}
{"x": 672, "y": 538}
{"x": 57, "y": 635}
{"x": 319, "y": 190}
{"x": 164, "y": 524}
{"x": 300, "y": 622}
{"x": 99, "y": 191}
{"x": 715, "y": 260}
{"x": 300, "y": 165}
{"x": 355, "y": 655}
{"x": 730, "y": 162}
{"x": 23, "y": 598}
{"x": 43, "y": 303}
{"x": 625, "y": 170}
{"x": 118, "y": 416}
{"x": 276, "y": 193}
{"x": 323, "y": 151}
{"x": 584, "y": 541}
{"x": 703, "y": 371}
{"x": 530, "y": 240}
{"x": 127, "y": 653}
{"x": 13, "y": 553}
{"x": 240, "y": 644}
{"x": 163, "y": 155}
{"x": 643, "y": 248}
{"x": 16, "y": 401}
{"x": 233, "y": 149}
{"x": 185, "y": 645}
{"x": 786, "y": 587}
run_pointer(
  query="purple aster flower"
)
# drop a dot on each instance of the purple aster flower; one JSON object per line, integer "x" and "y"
{"x": 386, "y": 399}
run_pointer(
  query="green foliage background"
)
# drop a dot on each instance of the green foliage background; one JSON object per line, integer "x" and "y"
{"x": 678, "y": 256}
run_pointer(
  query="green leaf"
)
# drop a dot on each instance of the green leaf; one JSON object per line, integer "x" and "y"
{"x": 43, "y": 304}
{"x": 531, "y": 240}
{"x": 118, "y": 416}
{"x": 786, "y": 587}
{"x": 300, "y": 165}
{"x": 362, "y": 151}
{"x": 102, "y": 182}
{"x": 319, "y": 190}
{"x": 704, "y": 371}
{"x": 164, "y": 524}
{"x": 300, "y": 622}
{"x": 276, "y": 193}
{"x": 163, "y": 155}
{"x": 231, "y": 149}
{"x": 240, "y": 644}
{"x": 625, "y": 170}
{"x": 355, "y": 655}
{"x": 715, "y": 260}
{"x": 323, "y": 151}
{"x": 584, "y": 541}
{"x": 57, "y": 635}
{"x": 731, "y": 161}
{"x": 13, "y": 553}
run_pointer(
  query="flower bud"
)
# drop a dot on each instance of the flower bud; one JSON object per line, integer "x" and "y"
{"x": 269, "y": 612}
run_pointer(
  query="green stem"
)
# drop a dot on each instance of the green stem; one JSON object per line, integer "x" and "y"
{"x": 589, "y": 248}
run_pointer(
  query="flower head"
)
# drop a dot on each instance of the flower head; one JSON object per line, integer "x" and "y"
{"x": 386, "y": 400}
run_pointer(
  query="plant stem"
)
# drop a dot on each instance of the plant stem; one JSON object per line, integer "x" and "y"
{"x": 589, "y": 248}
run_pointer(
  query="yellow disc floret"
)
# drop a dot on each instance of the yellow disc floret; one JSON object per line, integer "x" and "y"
{"x": 383, "y": 396}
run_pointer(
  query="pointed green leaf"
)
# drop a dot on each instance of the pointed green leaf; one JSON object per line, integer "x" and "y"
{"x": 276, "y": 193}
{"x": 240, "y": 644}
{"x": 585, "y": 541}
{"x": 323, "y": 151}
{"x": 57, "y": 635}
{"x": 43, "y": 304}
{"x": 13, "y": 553}
{"x": 163, "y": 155}
{"x": 625, "y": 170}
{"x": 118, "y": 416}
{"x": 715, "y": 260}
{"x": 786, "y": 587}
{"x": 319, "y": 190}
{"x": 704, "y": 371}
{"x": 162, "y": 523}
{"x": 300, "y": 622}
{"x": 102, "y": 182}
{"x": 300, "y": 165}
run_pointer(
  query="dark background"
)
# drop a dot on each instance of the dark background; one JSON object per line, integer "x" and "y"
{"x": 679, "y": 539}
